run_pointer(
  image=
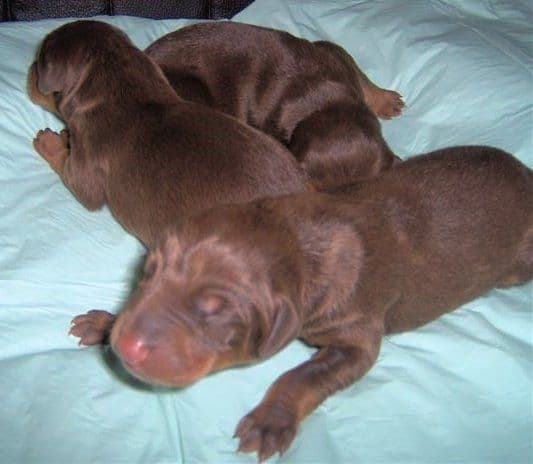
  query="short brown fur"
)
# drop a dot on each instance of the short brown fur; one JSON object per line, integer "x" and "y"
{"x": 311, "y": 96}
{"x": 340, "y": 270}
{"x": 134, "y": 145}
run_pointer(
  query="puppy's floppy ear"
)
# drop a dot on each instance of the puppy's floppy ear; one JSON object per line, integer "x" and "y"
{"x": 48, "y": 102}
{"x": 284, "y": 328}
{"x": 51, "y": 71}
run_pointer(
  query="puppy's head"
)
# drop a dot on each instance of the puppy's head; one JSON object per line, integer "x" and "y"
{"x": 64, "y": 57}
{"x": 201, "y": 306}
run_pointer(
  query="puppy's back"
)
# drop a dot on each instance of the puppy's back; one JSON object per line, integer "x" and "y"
{"x": 184, "y": 159}
{"x": 254, "y": 73}
{"x": 461, "y": 222}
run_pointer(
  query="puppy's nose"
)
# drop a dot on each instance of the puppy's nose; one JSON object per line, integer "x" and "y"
{"x": 131, "y": 349}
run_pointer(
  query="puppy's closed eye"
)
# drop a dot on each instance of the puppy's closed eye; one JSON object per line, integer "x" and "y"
{"x": 209, "y": 304}
{"x": 221, "y": 324}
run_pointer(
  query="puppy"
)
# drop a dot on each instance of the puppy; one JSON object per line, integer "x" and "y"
{"x": 309, "y": 95}
{"x": 236, "y": 284}
{"x": 134, "y": 145}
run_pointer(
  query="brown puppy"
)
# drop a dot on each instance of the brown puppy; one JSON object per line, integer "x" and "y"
{"x": 134, "y": 145}
{"x": 309, "y": 95}
{"x": 236, "y": 284}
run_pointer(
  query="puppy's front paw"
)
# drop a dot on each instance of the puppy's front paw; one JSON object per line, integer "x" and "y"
{"x": 53, "y": 147}
{"x": 268, "y": 429}
{"x": 93, "y": 327}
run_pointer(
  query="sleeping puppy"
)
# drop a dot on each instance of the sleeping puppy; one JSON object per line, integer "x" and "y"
{"x": 134, "y": 145}
{"x": 309, "y": 95}
{"x": 235, "y": 284}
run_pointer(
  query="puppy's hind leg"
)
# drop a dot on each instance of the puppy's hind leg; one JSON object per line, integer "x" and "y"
{"x": 340, "y": 145}
{"x": 384, "y": 103}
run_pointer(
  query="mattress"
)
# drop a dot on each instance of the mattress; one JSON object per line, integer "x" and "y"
{"x": 458, "y": 390}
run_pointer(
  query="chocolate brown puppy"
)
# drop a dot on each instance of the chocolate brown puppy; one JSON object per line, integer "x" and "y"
{"x": 236, "y": 284}
{"x": 134, "y": 145}
{"x": 311, "y": 96}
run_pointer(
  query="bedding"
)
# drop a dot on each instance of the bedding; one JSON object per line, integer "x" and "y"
{"x": 457, "y": 390}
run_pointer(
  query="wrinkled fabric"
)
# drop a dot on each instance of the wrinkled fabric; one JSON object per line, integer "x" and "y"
{"x": 457, "y": 390}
